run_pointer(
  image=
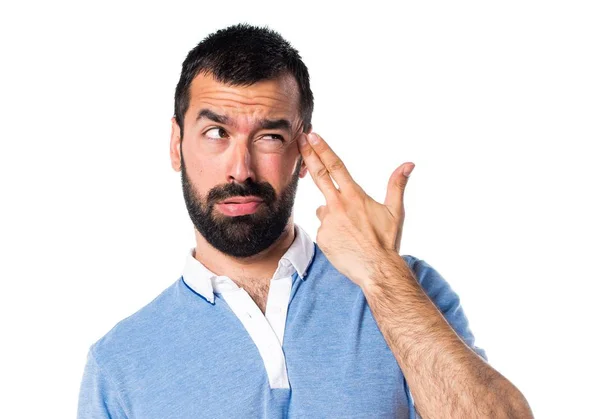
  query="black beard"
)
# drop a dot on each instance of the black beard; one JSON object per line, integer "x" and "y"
{"x": 244, "y": 235}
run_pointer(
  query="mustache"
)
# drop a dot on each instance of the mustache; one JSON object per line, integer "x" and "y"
{"x": 263, "y": 190}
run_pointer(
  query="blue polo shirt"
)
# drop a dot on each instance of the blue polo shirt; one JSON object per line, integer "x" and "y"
{"x": 185, "y": 356}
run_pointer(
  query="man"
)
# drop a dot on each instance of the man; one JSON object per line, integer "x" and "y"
{"x": 264, "y": 322}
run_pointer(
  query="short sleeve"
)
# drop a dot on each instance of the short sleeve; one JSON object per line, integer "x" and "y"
{"x": 98, "y": 399}
{"x": 446, "y": 300}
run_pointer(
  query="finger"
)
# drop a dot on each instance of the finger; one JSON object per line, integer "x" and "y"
{"x": 394, "y": 198}
{"x": 317, "y": 170}
{"x": 336, "y": 168}
{"x": 321, "y": 212}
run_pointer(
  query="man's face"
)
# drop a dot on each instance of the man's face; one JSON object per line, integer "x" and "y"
{"x": 239, "y": 144}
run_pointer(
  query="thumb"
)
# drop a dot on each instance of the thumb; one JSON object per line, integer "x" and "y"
{"x": 394, "y": 198}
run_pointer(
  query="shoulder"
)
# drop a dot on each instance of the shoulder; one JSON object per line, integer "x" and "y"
{"x": 425, "y": 273}
{"x": 416, "y": 264}
{"x": 429, "y": 278}
{"x": 135, "y": 331}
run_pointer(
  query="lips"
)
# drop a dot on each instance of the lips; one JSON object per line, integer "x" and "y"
{"x": 235, "y": 207}
{"x": 242, "y": 200}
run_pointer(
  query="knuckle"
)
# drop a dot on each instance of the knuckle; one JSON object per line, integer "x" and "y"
{"x": 336, "y": 205}
{"x": 337, "y": 165}
{"x": 322, "y": 172}
{"x": 356, "y": 193}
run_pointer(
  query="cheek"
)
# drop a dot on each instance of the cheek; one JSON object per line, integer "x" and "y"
{"x": 204, "y": 174}
{"x": 276, "y": 169}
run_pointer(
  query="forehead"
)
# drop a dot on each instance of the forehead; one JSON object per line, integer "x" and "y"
{"x": 278, "y": 96}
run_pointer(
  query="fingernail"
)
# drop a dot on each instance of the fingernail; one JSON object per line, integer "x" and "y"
{"x": 302, "y": 140}
{"x": 313, "y": 138}
{"x": 408, "y": 170}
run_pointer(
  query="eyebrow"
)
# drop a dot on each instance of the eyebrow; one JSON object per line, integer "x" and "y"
{"x": 283, "y": 124}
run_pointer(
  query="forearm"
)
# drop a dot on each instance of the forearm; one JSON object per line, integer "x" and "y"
{"x": 447, "y": 379}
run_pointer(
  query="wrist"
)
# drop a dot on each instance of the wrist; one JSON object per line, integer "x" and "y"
{"x": 385, "y": 268}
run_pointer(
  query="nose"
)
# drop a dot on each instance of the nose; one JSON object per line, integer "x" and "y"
{"x": 241, "y": 166}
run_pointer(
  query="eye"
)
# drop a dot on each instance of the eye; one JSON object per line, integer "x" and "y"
{"x": 219, "y": 131}
{"x": 273, "y": 137}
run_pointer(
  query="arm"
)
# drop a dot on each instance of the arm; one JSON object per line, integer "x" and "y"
{"x": 447, "y": 378}
{"x": 445, "y": 299}
{"x": 98, "y": 399}
{"x": 361, "y": 238}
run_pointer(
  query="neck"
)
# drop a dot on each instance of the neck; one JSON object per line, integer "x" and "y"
{"x": 258, "y": 267}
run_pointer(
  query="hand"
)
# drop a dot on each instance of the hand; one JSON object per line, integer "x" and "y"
{"x": 356, "y": 232}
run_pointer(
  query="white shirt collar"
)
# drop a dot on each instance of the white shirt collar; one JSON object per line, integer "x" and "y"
{"x": 204, "y": 282}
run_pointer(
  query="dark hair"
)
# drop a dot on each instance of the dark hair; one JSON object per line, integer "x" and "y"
{"x": 241, "y": 55}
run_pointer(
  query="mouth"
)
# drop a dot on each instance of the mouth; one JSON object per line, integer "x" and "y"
{"x": 240, "y": 205}
{"x": 241, "y": 200}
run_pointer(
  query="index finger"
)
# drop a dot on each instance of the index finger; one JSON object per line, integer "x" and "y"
{"x": 317, "y": 170}
{"x": 335, "y": 166}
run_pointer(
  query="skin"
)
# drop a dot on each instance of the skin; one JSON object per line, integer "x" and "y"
{"x": 361, "y": 238}
{"x": 243, "y": 151}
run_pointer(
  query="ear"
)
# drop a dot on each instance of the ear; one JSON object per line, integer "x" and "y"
{"x": 174, "y": 149}
{"x": 303, "y": 169}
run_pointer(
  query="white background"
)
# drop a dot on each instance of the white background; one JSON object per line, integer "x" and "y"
{"x": 497, "y": 104}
